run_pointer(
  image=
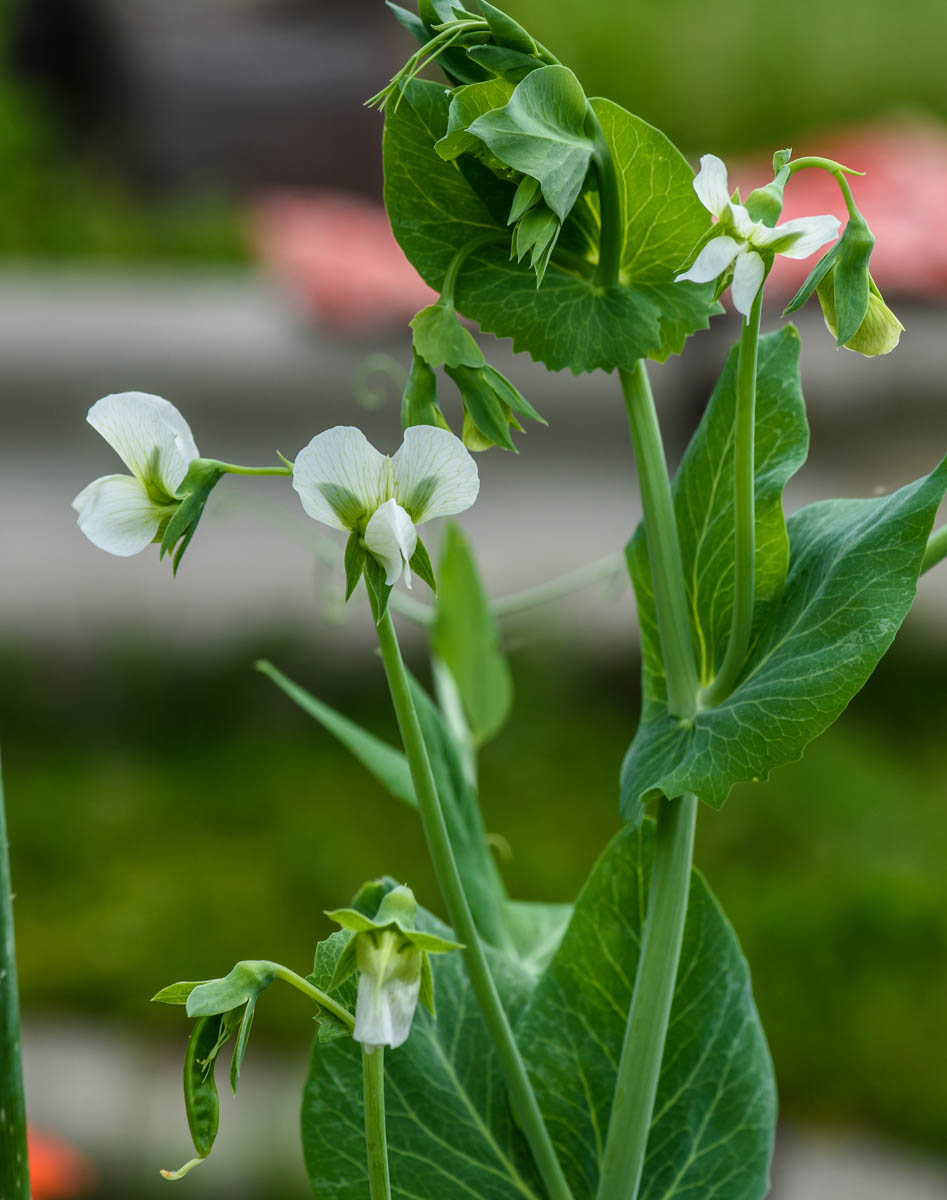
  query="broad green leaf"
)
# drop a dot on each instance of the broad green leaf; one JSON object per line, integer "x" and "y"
{"x": 465, "y": 637}
{"x": 388, "y": 765}
{"x": 511, "y": 65}
{"x": 450, "y": 1129}
{"x": 542, "y": 133}
{"x": 244, "y": 983}
{"x": 176, "y": 993}
{"x": 715, "y": 1111}
{"x": 853, "y": 570}
{"x": 568, "y": 322}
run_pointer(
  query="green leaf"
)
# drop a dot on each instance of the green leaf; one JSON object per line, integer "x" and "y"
{"x": 388, "y": 765}
{"x": 243, "y": 1039}
{"x": 542, "y": 133}
{"x": 712, "y": 1130}
{"x": 244, "y": 983}
{"x": 465, "y": 637}
{"x": 568, "y": 322}
{"x": 527, "y": 193}
{"x": 510, "y": 65}
{"x": 441, "y": 340}
{"x": 466, "y": 105}
{"x": 419, "y": 402}
{"x": 536, "y": 929}
{"x": 175, "y": 993}
{"x": 853, "y": 569}
{"x": 420, "y": 564}
{"x": 450, "y": 1129}
{"x": 506, "y": 32}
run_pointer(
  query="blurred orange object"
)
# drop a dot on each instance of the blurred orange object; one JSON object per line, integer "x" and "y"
{"x": 338, "y": 257}
{"x": 57, "y": 1169}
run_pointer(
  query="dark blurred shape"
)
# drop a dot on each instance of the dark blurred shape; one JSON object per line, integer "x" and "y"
{"x": 218, "y": 96}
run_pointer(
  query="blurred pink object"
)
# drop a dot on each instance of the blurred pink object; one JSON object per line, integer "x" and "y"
{"x": 57, "y": 1171}
{"x": 338, "y": 257}
{"x": 902, "y": 196}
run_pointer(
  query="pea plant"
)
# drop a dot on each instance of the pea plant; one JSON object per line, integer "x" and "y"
{"x": 608, "y": 1048}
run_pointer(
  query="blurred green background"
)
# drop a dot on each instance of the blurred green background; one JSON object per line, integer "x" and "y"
{"x": 171, "y": 813}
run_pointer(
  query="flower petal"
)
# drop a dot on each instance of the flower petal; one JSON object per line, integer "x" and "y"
{"x": 390, "y": 535}
{"x": 149, "y": 435}
{"x": 710, "y": 184}
{"x": 712, "y": 261}
{"x": 340, "y": 477}
{"x": 435, "y": 476}
{"x": 747, "y": 277}
{"x": 117, "y": 514}
{"x": 812, "y": 232}
{"x": 384, "y": 1010}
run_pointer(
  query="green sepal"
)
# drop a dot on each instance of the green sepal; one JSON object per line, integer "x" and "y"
{"x": 511, "y": 395}
{"x": 244, "y": 982}
{"x": 781, "y": 159}
{"x": 815, "y": 277}
{"x": 243, "y": 1039}
{"x": 441, "y": 340}
{"x": 536, "y": 234}
{"x": 419, "y": 401}
{"x": 202, "y": 476}
{"x": 355, "y": 554}
{"x": 486, "y": 412}
{"x": 527, "y": 193}
{"x": 507, "y": 32}
{"x": 201, "y": 1103}
{"x": 378, "y": 590}
{"x": 511, "y": 65}
{"x": 345, "y": 966}
{"x": 426, "y": 993}
{"x": 420, "y": 564}
{"x": 851, "y": 280}
{"x": 397, "y": 910}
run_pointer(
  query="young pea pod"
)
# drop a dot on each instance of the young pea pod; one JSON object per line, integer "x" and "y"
{"x": 200, "y": 1089}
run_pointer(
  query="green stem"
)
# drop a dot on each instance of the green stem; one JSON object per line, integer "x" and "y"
{"x": 376, "y": 1140}
{"x": 453, "y": 267}
{"x": 744, "y": 513}
{"x": 522, "y": 1098}
{"x": 936, "y": 549}
{"x": 611, "y": 238}
{"x": 645, "y": 1034}
{"x": 14, "y": 1163}
{"x": 321, "y": 998}
{"x": 233, "y": 469}
{"x": 823, "y": 164}
{"x": 664, "y": 551}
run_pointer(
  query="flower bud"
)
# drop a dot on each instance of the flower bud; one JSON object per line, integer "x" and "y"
{"x": 880, "y": 330}
{"x": 766, "y": 203}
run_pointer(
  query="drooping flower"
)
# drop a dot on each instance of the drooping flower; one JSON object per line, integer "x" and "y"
{"x": 391, "y": 958}
{"x": 742, "y": 245}
{"x": 344, "y": 482}
{"x": 124, "y": 513}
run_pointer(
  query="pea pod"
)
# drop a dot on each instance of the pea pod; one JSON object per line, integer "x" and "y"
{"x": 200, "y": 1088}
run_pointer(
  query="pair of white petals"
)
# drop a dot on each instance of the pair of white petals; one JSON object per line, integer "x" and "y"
{"x": 740, "y": 250}
{"x": 342, "y": 480}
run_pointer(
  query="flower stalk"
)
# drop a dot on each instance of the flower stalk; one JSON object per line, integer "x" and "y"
{"x": 14, "y": 1162}
{"x": 522, "y": 1096}
{"x": 376, "y": 1139}
{"x": 744, "y": 510}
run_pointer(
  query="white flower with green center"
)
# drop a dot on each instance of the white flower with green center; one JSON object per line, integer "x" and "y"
{"x": 344, "y": 482}
{"x": 743, "y": 245}
{"x": 124, "y": 513}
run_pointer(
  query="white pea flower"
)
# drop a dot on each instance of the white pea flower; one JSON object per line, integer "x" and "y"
{"x": 343, "y": 481}
{"x": 124, "y": 513}
{"x": 740, "y": 240}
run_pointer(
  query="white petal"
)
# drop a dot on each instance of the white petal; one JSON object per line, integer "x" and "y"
{"x": 814, "y": 232}
{"x": 745, "y": 226}
{"x": 116, "y": 513}
{"x": 747, "y": 277}
{"x": 710, "y": 184}
{"x": 340, "y": 477}
{"x": 435, "y": 475}
{"x": 390, "y": 535}
{"x": 149, "y": 434}
{"x": 712, "y": 261}
{"x": 384, "y": 1011}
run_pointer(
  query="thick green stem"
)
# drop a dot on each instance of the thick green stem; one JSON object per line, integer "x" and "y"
{"x": 936, "y": 549}
{"x": 640, "y": 1065}
{"x": 376, "y": 1140}
{"x": 664, "y": 550}
{"x": 14, "y": 1164}
{"x": 611, "y": 237}
{"x": 522, "y": 1096}
{"x": 744, "y": 513}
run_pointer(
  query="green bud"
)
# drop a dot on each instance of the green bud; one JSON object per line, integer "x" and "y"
{"x": 419, "y": 402}
{"x": 766, "y": 203}
{"x": 202, "y": 476}
{"x": 880, "y": 330}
